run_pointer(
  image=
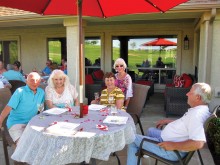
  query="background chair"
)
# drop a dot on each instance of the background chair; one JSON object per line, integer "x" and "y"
{"x": 5, "y": 95}
{"x": 16, "y": 84}
{"x": 91, "y": 88}
{"x": 137, "y": 103}
{"x": 175, "y": 102}
{"x": 98, "y": 76}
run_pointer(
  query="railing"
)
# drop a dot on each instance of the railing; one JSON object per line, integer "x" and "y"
{"x": 158, "y": 75}
{"x": 89, "y": 69}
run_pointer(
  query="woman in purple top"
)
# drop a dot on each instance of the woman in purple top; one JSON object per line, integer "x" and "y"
{"x": 123, "y": 80}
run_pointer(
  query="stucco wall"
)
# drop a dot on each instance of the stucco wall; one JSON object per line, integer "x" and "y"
{"x": 34, "y": 48}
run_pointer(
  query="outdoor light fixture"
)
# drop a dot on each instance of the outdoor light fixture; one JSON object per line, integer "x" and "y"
{"x": 186, "y": 43}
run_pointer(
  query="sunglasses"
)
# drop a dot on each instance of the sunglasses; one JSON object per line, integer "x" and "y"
{"x": 119, "y": 66}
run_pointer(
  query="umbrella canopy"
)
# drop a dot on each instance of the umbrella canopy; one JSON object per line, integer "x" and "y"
{"x": 159, "y": 42}
{"x": 95, "y": 8}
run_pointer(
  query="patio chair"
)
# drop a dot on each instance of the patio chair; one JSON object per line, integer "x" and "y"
{"x": 16, "y": 84}
{"x": 97, "y": 76}
{"x": 181, "y": 161}
{"x": 5, "y": 95}
{"x": 175, "y": 101}
{"x": 137, "y": 102}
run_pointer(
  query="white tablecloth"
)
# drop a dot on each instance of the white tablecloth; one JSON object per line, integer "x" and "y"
{"x": 36, "y": 146}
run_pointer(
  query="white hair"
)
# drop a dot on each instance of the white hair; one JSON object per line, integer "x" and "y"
{"x": 58, "y": 73}
{"x": 203, "y": 90}
{"x": 120, "y": 61}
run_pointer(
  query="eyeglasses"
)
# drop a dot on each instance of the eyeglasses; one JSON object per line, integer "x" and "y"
{"x": 119, "y": 66}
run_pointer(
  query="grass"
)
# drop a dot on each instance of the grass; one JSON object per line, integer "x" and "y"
{"x": 93, "y": 52}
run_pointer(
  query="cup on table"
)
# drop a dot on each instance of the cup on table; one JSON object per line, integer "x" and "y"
{"x": 85, "y": 109}
{"x": 96, "y": 94}
{"x": 113, "y": 110}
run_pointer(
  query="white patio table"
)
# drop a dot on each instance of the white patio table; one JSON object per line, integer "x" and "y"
{"x": 36, "y": 146}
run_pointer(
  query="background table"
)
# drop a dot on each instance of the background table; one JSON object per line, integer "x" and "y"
{"x": 38, "y": 147}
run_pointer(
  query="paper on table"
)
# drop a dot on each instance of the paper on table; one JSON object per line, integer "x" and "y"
{"x": 55, "y": 111}
{"x": 63, "y": 128}
{"x": 115, "y": 120}
{"x": 96, "y": 107}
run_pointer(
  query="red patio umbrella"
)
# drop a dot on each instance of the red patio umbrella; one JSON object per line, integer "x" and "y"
{"x": 96, "y": 8}
{"x": 159, "y": 42}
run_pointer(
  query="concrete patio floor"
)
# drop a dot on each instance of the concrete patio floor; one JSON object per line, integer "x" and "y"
{"x": 152, "y": 112}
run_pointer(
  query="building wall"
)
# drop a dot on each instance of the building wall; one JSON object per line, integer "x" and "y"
{"x": 33, "y": 47}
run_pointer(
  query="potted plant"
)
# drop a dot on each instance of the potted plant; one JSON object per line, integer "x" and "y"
{"x": 213, "y": 139}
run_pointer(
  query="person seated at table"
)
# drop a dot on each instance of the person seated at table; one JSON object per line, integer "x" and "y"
{"x": 63, "y": 61}
{"x": 159, "y": 63}
{"x": 17, "y": 67}
{"x": 22, "y": 106}
{"x": 65, "y": 68}
{"x": 2, "y": 68}
{"x": 11, "y": 74}
{"x": 5, "y": 82}
{"x": 146, "y": 63}
{"x": 59, "y": 92}
{"x": 123, "y": 80}
{"x": 184, "y": 134}
{"x": 111, "y": 90}
{"x": 47, "y": 70}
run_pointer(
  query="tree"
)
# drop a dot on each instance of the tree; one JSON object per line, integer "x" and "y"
{"x": 133, "y": 45}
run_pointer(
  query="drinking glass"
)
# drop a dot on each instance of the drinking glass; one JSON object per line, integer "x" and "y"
{"x": 113, "y": 110}
{"x": 40, "y": 108}
{"x": 96, "y": 94}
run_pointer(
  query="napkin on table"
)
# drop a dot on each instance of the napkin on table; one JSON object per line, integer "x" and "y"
{"x": 115, "y": 120}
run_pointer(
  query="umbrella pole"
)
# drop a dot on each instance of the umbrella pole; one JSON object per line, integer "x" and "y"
{"x": 80, "y": 56}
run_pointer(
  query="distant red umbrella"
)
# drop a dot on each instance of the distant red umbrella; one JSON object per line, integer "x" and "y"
{"x": 95, "y": 8}
{"x": 159, "y": 42}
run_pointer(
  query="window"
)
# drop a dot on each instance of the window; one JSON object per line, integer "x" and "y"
{"x": 8, "y": 51}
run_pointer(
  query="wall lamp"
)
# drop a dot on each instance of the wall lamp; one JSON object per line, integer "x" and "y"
{"x": 186, "y": 43}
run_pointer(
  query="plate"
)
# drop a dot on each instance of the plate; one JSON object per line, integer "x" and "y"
{"x": 63, "y": 128}
{"x": 96, "y": 107}
{"x": 55, "y": 111}
{"x": 115, "y": 120}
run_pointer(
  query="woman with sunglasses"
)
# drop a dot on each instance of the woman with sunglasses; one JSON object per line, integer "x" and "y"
{"x": 123, "y": 80}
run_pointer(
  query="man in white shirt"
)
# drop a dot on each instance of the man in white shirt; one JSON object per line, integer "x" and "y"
{"x": 184, "y": 134}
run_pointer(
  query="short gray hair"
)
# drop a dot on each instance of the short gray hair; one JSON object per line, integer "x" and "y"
{"x": 204, "y": 90}
{"x": 10, "y": 67}
{"x": 121, "y": 61}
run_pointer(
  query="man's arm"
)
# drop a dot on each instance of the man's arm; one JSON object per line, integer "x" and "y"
{"x": 163, "y": 122}
{"x": 189, "y": 145}
{"x": 4, "y": 114}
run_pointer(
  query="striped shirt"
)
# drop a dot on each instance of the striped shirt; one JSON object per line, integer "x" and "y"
{"x": 116, "y": 93}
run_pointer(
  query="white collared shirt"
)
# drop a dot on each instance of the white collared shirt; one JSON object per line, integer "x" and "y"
{"x": 189, "y": 126}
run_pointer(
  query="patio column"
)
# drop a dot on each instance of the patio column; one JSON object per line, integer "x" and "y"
{"x": 72, "y": 41}
{"x": 205, "y": 54}
{"x": 215, "y": 67}
{"x": 124, "y": 48}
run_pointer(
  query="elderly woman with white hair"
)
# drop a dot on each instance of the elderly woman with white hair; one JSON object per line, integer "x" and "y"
{"x": 123, "y": 80}
{"x": 59, "y": 92}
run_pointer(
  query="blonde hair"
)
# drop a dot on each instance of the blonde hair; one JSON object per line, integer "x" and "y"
{"x": 58, "y": 73}
{"x": 120, "y": 61}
